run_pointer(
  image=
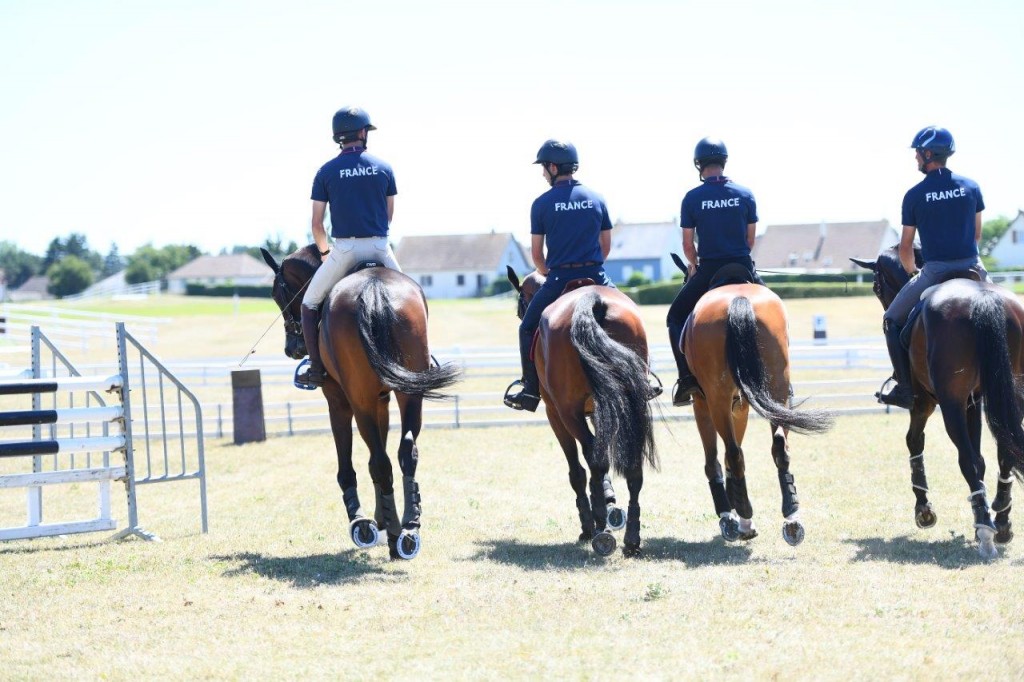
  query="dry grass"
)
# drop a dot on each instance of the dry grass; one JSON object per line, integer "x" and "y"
{"x": 502, "y": 590}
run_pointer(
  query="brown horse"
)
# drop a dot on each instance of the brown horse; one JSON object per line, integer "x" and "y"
{"x": 373, "y": 338}
{"x": 591, "y": 354}
{"x": 738, "y": 341}
{"x": 966, "y": 346}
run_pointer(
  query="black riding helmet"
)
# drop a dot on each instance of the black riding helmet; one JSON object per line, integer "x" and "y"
{"x": 709, "y": 151}
{"x": 348, "y": 121}
{"x": 562, "y": 154}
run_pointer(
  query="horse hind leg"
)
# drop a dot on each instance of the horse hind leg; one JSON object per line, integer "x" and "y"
{"x": 408, "y": 543}
{"x": 615, "y": 515}
{"x": 1003, "y": 502}
{"x": 631, "y": 538}
{"x": 728, "y": 522}
{"x": 924, "y": 513}
{"x": 603, "y": 542}
{"x": 792, "y": 526}
{"x": 577, "y": 475}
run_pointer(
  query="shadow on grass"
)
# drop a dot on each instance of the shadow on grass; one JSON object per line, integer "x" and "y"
{"x": 542, "y": 557}
{"x": 954, "y": 552}
{"x": 312, "y": 570}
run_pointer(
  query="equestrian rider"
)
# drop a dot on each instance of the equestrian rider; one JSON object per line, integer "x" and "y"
{"x": 573, "y": 222}
{"x": 360, "y": 189}
{"x": 723, "y": 217}
{"x": 946, "y": 209}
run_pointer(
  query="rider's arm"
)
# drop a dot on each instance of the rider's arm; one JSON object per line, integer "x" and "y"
{"x": 319, "y": 233}
{"x": 690, "y": 249}
{"x": 907, "y": 249}
{"x": 606, "y": 243}
{"x": 751, "y": 234}
{"x": 977, "y": 227}
{"x": 537, "y": 251}
{"x": 391, "y": 208}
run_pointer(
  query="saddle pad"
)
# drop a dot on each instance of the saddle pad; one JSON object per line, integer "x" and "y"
{"x": 362, "y": 265}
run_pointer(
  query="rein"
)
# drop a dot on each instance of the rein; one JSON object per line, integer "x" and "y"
{"x": 291, "y": 325}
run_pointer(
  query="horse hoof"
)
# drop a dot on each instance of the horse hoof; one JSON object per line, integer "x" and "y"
{"x": 585, "y": 536}
{"x": 364, "y": 533}
{"x": 793, "y": 533}
{"x": 408, "y": 545}
{"x": 603, "y": 543}
{"x": 986, "y": 545}
{"x": 631, "y": 551}
{"x": 393, "y": 547}
{"x": 616, "y": 518}
{"x": 730, "y": 525}
{"x": 1004, "y": 534}
{"x": 925, "y": 517}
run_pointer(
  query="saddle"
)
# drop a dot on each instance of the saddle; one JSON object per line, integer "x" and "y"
{"x": 362, "y": 265}
{"x": 907, "y": 332}
{"x": 731, "y": 273}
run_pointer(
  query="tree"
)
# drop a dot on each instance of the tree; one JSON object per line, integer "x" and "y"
{"x": 991, "y": 232}
{"x": 17, "y": 265}
{"x": 71, "y": 275}
{"x": 75, "y": 245}
{"x": 149, "y": 263}
{"x": 637, "y": 279}
{"x": 112, "y": 263}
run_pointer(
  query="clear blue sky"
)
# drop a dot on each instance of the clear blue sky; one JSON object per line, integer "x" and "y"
{"x": 204, "y": 122}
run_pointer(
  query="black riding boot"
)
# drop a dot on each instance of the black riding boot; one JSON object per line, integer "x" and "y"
{"x": 682, "y": 395}
{"x": 901, "y": 394}
{"x": 529, "y": 396}
{"x": 314, "y": 374}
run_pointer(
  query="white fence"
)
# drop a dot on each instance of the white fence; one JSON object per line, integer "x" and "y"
{"x": 66, "y": 327}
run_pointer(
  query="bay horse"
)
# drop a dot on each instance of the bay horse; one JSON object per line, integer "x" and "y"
{"x": 373, "y": 340}
{"x": 737, "y": 341}
{"x": 966, "y": 347}
{"x": 591, "y": 355}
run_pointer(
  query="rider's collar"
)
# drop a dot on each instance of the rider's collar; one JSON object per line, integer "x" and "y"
{"x": 564, "y": 183}
{"x": 353, "y": 150}
{"x": 715, "y": 179}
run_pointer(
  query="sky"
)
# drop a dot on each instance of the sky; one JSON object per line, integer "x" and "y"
{"x": 204, "y": 122}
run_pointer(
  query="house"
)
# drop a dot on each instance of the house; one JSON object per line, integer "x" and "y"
{"x": 645, "y": 248}
{"x": 1009, "y": 250}
{"x": 238, "y": 269}
{"x": 460, "y": 265}
{"x": 821, "y": 248}
{"x": 35, "y": 288}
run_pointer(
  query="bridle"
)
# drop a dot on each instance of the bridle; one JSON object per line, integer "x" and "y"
{"x": 292, "y": 326}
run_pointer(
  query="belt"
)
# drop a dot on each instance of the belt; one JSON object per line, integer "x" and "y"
{"x": 585, "y": 264}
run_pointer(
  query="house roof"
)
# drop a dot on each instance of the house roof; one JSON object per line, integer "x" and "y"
{"x": 644, "y": 240}
{"x": 434, "y": 253}
{"x": 821, "y": 245}
{"x": 223, "y": 267}
{"x": 36, "y": 284}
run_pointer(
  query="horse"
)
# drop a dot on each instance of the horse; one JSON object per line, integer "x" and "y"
{"x": 373, "y": 340}
{"x": 738, "y": 345}
{"x": 966, "y": 347}
{"x": 591, "y": 355}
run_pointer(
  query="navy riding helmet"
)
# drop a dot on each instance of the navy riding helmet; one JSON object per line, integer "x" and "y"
{"x": 938, "y": 141}
{"x": 558, "y": 153}
{"x": 708, "y": 151}
{"x": 349, "y": 120}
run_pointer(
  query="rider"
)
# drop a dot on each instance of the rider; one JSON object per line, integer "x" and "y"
{"x": 360, "y": 189}
{"x": 574, "y": 223}
{"x": 724, "y": 217}
{"x": 946, "y": 209}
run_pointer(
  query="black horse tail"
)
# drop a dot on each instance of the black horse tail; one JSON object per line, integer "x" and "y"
{"x": 743, "y": 353}
{"x": 377, "y": 325}
{"x": 1001, "y": 391}
{"x": 623, "y": 431}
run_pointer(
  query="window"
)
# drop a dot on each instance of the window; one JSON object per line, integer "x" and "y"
{"x": 426, "y": 280}
{"x": 460, "y": 280}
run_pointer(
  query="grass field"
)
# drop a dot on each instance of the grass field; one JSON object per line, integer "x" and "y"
{"x": 501, "y": 589}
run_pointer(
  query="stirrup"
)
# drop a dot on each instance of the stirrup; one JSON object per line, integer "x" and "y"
{"x": 897, "y": 395}
{"x": 521, "y": 400}
{"x": 307, "y": 380}
{"x": 654, "y": 386}
{"x": 683, "y": 395}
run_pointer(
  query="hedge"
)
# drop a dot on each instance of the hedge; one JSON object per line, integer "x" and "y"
{"x": 656, "y": 294}
{"x": 247, "y": 290}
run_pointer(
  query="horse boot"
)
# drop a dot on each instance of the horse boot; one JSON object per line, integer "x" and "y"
{"x": 529, "y": 396}
{"x": 901, "y": 394}
{"x": 682, "y": 394}
{"x": 314, "y": 374}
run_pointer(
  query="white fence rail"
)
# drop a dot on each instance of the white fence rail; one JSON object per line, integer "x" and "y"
{"x": 70, "y": 328}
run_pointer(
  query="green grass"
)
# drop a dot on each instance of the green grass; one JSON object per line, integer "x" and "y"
{"x": 502, "y": 590}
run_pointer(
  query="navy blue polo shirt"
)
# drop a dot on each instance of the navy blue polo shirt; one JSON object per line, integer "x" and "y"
{"x": 356, "y": 184}
{"x": 942, "y": 207}
{"x": 571, "y": 218}
{"x": 720, "y": 211}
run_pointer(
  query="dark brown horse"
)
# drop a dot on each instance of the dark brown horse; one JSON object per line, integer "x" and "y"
{"x": 373, "y": 337}
{"x": 738, "y": 343}
{"x": 591, "y": 354}
{"x": 966, "y": 347}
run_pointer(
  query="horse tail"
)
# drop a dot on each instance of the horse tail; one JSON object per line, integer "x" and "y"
{"x": 377, "y": 324}
{"x": 623, "y": 430}
{"x": 743, "y": 353}
{"x": 1001, "y": 391}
